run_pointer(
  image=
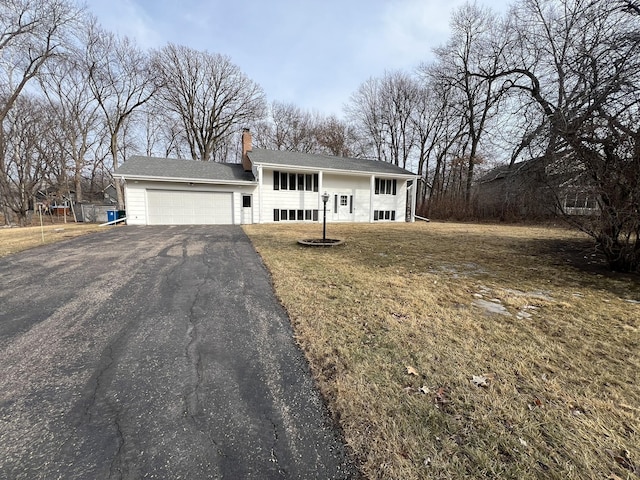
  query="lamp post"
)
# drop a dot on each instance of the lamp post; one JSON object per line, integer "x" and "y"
{"x": 325, "y": 198}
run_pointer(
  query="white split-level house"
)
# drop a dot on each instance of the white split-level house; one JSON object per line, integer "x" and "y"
{"x": 269, "y": 186}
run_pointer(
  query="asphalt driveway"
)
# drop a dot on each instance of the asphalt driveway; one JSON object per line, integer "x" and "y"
{"x": 154, "y": 352}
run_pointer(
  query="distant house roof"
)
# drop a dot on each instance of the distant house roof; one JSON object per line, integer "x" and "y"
{"x": 169, "y": 169}
{"x": 504, "y": 171}
{"x": 324, "y": 162}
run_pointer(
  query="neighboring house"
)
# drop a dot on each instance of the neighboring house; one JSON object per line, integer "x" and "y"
{"x": 535, "y": 188}
{"x": 269, "y": 186}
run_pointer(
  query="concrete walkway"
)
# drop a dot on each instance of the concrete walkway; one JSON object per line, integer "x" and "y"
{"x": 154, "y": 352}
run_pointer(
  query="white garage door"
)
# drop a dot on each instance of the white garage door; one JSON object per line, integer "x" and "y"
{"x": 167, "y": 207}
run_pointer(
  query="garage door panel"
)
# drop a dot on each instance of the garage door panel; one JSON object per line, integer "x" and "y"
{"x": 168, "y": 207}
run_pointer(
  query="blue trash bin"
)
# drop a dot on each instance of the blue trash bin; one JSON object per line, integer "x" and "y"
{"x": 111, "y": 215}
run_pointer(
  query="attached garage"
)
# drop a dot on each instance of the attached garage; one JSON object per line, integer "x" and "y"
{"x": 162, "y": 191}
{"x": 167, "y": 207}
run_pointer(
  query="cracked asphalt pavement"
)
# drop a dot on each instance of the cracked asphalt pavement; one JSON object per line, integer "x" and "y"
{"x": 155, "y": 352}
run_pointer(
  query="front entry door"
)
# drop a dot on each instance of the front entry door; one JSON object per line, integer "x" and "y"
{"x": 344, "y": 203}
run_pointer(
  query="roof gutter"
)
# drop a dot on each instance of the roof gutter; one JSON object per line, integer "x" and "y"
{"x": 278, "y": 166}
{"x": 147, "y": 178}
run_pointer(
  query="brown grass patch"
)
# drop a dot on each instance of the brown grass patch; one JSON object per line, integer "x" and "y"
{"x": 16, "y": 239}
{"x": 561, "y": 362}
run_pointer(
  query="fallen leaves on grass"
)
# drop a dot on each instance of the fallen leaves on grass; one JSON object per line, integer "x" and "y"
{"x": 441, "y": 397}
{"x": 623, "y": 459}
{"x": 536, "y": 403}
{"x": 412, "y": 371}
{"x": 482, "y": 380}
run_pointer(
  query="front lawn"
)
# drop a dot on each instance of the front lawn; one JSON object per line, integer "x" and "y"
{"x": 459, "y": 350}
{"x": 16, "y": 239}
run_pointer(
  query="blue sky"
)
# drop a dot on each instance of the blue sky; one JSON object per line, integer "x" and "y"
{"x": 313, "y": 53}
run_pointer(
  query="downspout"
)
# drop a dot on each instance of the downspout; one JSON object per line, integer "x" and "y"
{"x": 259, "y": 193}
{"x": 414, "y": 194}
{"x": 372, "y": 188}
{"x": 320, "y": 192}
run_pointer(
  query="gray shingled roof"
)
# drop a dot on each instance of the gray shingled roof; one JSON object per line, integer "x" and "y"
{"x": 170, "y": 168}
{"x": 278, "y": 157}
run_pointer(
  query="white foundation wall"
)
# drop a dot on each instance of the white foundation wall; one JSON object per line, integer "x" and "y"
{"x": 137, "y": 206}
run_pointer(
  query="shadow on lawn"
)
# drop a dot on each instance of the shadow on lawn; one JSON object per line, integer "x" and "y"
{"x": 583, "y": 255}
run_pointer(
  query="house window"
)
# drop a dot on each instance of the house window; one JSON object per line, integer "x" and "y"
{"x": 384, "y": 215}
{"x": 343, "y": 200}
{"x": 246, "y": 201}
{"x": 295, "y": 181}
{"x": 386, "y": 186}
{"x": 293, "y": 215}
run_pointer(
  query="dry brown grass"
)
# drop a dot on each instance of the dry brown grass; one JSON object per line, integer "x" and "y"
{"x": 16, "y": 239}
{"x": 562, "y": 399}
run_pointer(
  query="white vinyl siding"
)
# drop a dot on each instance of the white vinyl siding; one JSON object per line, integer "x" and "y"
{"x": 356, "y": 189}
{"x": 170, "y": 207}
{"x": 220, "y": 203}
{"x": 285, "y": 199}
{"x": 391, "y": 203}
{"x": 136, "y": 204}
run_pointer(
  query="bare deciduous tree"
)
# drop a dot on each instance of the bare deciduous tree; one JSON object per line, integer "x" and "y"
{"x": 364, "y": 110}
{"x": 288, "y": 128}
{"x": 121, "y": 82}
{"x": 31, "y": 32}
{"x": 579, "y": 62}
{"x": 475, "y": 44}
{"x": 336, "y": 137}
{"x": 209, "y": 95}
{"x": 26, "y": 158}
{"x": 381, "y": 109}
{"x": 76, "y": 114}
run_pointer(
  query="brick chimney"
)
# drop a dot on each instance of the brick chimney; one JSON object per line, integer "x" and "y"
{"x": 246, "y": 147}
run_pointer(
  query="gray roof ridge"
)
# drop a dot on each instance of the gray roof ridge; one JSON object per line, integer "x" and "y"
{"x": 337, "y": 161}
